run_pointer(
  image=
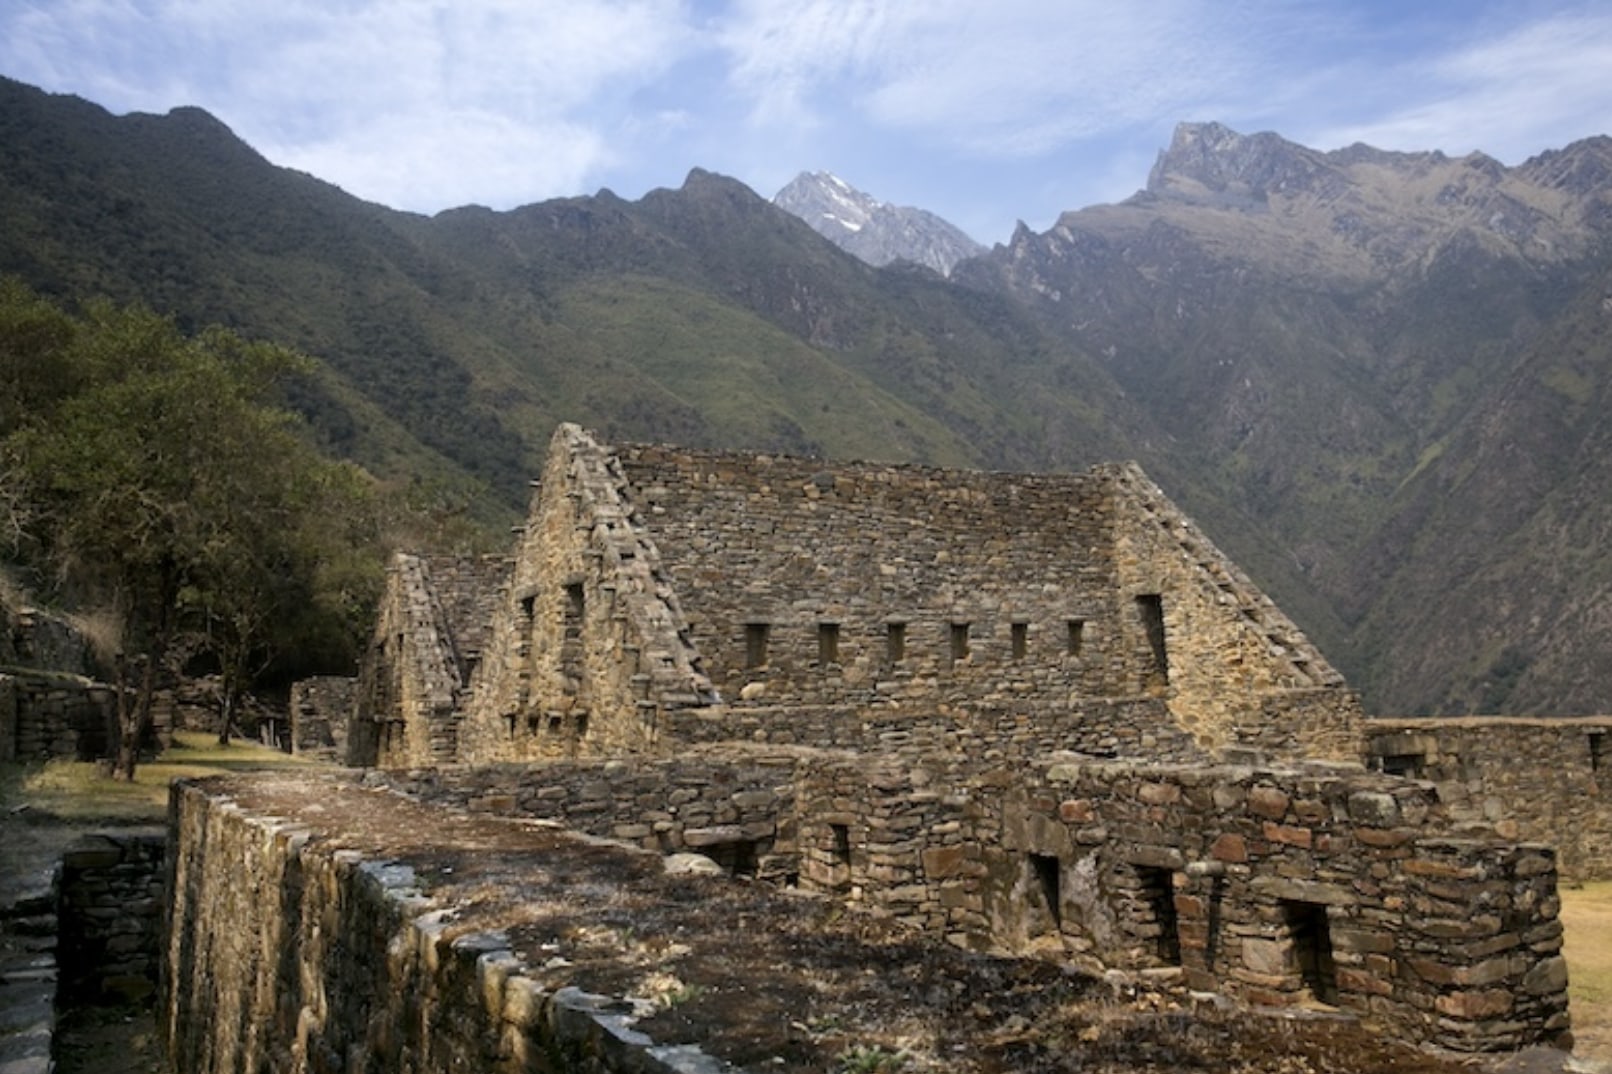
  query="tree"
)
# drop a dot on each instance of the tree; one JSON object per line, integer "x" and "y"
{"x": 162, "y": 474}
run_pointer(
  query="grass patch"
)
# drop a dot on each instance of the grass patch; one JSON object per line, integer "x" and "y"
{"x": 77, "y": 791}
{"x": 1587, "y": 944}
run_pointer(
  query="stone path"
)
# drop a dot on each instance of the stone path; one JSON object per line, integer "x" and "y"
{"x": 28, "y": 855}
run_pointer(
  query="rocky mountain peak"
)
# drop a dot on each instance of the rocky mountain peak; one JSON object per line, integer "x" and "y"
{"x": 872, "y": 230}
{"x": 1212, "y": 162}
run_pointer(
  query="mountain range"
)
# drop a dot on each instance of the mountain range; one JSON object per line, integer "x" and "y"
{"x": 1377, "y": 379}
{"x": 875, "y": 231}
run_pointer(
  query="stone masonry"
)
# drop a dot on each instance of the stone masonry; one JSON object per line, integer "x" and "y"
{"x": 661, "y": 595}
{"x": 1029, "y": 714}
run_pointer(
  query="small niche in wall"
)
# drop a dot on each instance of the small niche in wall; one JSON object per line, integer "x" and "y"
{"x": 1150, "y": 609}
{"x": 1075, "y": 637}
{"x": 1047, "y": 873}
{"x": 959, "y": 642}
{"x": 1410, "y": 765}
{"x": 1311, "y": 937}
{"x": 1020, "y": 638}
{"x": 1598, "y": 750}
{"x": 828, "y": 643}
{"x": 582, "y": 725}
{"x": 1157, "y": 897}
{"x": 895, "y": 642}
{"x": 738, "y": 858}
{"x": 842, "y": 843}
{"x": 755, "y": 645}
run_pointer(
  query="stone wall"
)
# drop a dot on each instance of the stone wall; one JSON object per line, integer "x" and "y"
{"x": 109, "y": 914}
{"x": 1548, "y": 780}
{"x": 1276, "y": 886}
{"x": 44, "y": 715}
{"x": 426, "y": 645}
{"x": 291, "y": 950}
{"x": 659, "y": 590}
{"x": 321, "y": 710}
{"x": 591, "y": 648}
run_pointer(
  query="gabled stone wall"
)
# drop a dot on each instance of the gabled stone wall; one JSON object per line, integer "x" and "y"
{"x": 321, "y": 711}
{"x": 1543, "y": 779}
{"x": 421, "y": 656}
{"x": 590, "y": 647}
{"x": 659, "y": 593}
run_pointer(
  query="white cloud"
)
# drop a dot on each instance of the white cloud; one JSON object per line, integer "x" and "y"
{"x": 1017, "y": 77}
{"x": 1533, "y": 87}
{"x": 408, "y": 102}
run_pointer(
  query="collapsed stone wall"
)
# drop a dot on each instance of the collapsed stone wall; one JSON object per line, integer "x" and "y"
{"x": 1543, "y": 779}
{"x": 1277, "y": 886}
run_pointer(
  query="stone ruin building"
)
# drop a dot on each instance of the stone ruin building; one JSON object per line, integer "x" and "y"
{"x": 1026, "y": 714}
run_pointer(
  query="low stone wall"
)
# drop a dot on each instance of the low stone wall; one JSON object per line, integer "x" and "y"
{"x": 45, "y": 715}
{"x": 109, "y": 913}
{"x": 1278, "y": 886}
{"x": 740, "y": 815}
{"x": 288, "y": 952}
{"x": 1548, "y": 780}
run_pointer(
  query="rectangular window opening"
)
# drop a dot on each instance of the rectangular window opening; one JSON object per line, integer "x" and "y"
{"x": 1598, "y": 751}
{"x": 1076, "y": 640}
{"x": 1150, "y": 607}
{"x": 828, "y": 643}
{"x": 755, "y": 645}
{"x": 1410, "y": 765}
{"x": 1312, "y": 948}
{"x": 574, "y": 608}
{"x": 1157, "y": 898}
{"x": 1048, "y": 877}
{"x": 582, "y": 725}
{"x": 895, "y": 642}
{"x": 959, "y": 642}
{"x": 1021, "y": 640}
{"x": 842, "y": 843}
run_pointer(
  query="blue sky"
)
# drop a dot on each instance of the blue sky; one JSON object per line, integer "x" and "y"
{"x": 986, "y": 113}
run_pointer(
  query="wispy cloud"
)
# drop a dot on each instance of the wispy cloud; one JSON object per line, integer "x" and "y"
{"x": 1529, "y": 87}
{"x": 983, "y": 112}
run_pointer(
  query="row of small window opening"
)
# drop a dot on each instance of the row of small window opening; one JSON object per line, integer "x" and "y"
{"x": 757, "y": 638}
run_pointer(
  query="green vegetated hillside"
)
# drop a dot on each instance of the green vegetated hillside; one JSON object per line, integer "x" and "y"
{"x": 1374, "y": 378}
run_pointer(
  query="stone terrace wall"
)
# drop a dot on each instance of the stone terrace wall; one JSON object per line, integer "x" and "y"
{"x": 1548, "y": 780}
{"x": 109, "y": 914}
{"x": 741, "y": 814}
{"x": 290, "y": 951}
{"x": 591, "y": 648}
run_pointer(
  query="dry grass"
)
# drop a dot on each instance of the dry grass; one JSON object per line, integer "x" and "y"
{"x": 77, "y": 791}
{"x": 1587, "y": 920}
